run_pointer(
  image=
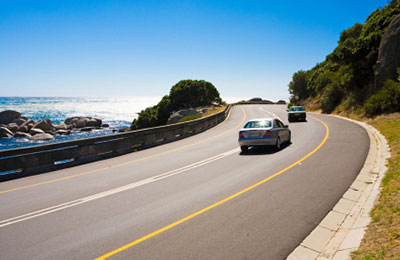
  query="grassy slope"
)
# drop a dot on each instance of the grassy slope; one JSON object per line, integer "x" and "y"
{"x": 382, "y": 239}
{"x": 212, "y": 111}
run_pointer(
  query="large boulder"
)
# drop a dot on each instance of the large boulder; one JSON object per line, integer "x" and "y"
{"x": 22, "y": 135}
{"x": 176, "y": 116}
{"x": 45, "y": 125}
{"x": 27, "y": 125}
{"x": 61, "y": 126}
{"x": 42, "y": 137}
{"x": 8, "y": 116}
{"x": 19, "y": 121}
{"x": 71, "y": 120}
{"x": 5, "y": 133}
{"x": 389, "y": 54}
{"x": 93, "y": 122}
{"x": 81, "y": 122}
{"x": 13, "y": 127}
{"x": 63, "y": 132}
{"x": 24, "y": 129}
{"x": 35, "y": 131}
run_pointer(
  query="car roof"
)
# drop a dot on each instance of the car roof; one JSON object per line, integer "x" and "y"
{"x": 263, "y": 119}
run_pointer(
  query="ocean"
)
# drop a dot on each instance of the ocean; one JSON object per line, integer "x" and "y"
{"x": 118, "y": 112}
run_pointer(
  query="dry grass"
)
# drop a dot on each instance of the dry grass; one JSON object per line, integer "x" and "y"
{"x": 382, "y": 238}
{"x": 214, "y": 110}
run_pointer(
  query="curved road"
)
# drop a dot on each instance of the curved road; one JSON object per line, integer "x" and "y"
{"x": 191, "y": 199}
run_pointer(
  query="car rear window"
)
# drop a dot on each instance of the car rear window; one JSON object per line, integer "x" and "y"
{"x": 297, "y": 109}
{"x": 258, "y": 124}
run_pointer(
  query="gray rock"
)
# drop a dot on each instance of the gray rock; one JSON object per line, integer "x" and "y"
{"x": 22, "y": 135}
{"x": 176, "y": 116}
{"x": 389, "y": 54}
{"x": 13, "y": 127}
{"x": 71, "y": 120}
{"x": 5, "y": 133}
{"x": 19, "y": 121}
{"x": 29, "y": 124}
{"x": 63, "y": 132}
{"x": 8, "y": 116}
{"x": 42, "y": 137}
{"x": 80, "y": 122}
{"x": 35, "y": 131}
{"x": 95, "y": 122}
{"x": 24, "y": 129}
{"x": 45, "y": 125}
{"x": 61, "y": 126}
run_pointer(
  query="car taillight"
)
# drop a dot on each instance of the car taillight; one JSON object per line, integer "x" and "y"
{"x": 267, "y": 134}
{"x": 241, "y": 135}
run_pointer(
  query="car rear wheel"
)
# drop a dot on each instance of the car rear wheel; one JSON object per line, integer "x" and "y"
{"x": 278, "y": 144}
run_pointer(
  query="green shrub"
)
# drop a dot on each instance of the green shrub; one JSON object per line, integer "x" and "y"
{"x": 387, "y": 100}
{"x": 331, "y": 97}
{"x": 184, "y": 94}
{"x": 193, "y": 93}
{"x": 349, "y": 69}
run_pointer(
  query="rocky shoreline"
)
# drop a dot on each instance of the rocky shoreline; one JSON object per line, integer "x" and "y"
{"x": 14, "y": 125}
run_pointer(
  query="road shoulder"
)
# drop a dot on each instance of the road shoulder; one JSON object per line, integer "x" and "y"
{"x": 343, "y": 228}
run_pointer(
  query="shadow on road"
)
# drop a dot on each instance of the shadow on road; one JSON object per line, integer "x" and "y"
{"x": 298, "y": 121}
{"x": 260, "y": 150}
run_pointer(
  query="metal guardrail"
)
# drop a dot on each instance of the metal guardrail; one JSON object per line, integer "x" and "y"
{"x": 27, "y": 161}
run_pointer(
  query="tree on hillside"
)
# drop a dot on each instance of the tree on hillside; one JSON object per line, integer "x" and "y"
{"x": 193, "y": 93}
{"x": 346, "y": 79}
{"x": 184, "y": 94}
{"x": 298, "y": 86}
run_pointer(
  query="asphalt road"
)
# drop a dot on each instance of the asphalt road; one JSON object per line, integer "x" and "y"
{"x": 192, "y": 199}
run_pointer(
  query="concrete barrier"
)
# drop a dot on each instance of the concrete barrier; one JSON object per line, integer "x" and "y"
{"x": 20, "y": 162}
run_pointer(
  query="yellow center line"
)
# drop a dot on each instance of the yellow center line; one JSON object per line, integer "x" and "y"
{"x": 155, "y": 233}
{"x": 129, "y": 162}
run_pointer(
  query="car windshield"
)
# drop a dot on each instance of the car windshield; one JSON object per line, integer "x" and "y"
{"x": 258, "y": 124}
{"x": 297, "y": 109}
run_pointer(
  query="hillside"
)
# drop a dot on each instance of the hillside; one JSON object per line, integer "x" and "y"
{"x": 361, "y": 74}
{"x": 185, "y": 94}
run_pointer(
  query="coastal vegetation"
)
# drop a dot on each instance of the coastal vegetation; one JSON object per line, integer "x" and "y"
{"x": 360, "y": 75}
{"x": 185, "y": 94}
{"x": 361, "y": 79}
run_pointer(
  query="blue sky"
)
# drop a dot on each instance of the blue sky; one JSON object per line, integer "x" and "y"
{"x": 142, "y": 48}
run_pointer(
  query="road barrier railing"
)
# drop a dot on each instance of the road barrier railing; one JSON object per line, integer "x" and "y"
{"x": 27, "y": 161}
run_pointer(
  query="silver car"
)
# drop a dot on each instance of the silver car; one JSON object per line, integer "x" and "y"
{"x": 264, "y": 132}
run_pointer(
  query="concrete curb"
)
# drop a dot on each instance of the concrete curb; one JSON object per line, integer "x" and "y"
{"x": 343, "y": 228}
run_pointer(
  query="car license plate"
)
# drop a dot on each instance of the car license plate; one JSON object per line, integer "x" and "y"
{"x": 254, "y": 135}
{"x": 297, "y": 114}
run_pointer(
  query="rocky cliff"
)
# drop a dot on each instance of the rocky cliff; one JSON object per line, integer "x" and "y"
{"x": 389, "y": 54}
